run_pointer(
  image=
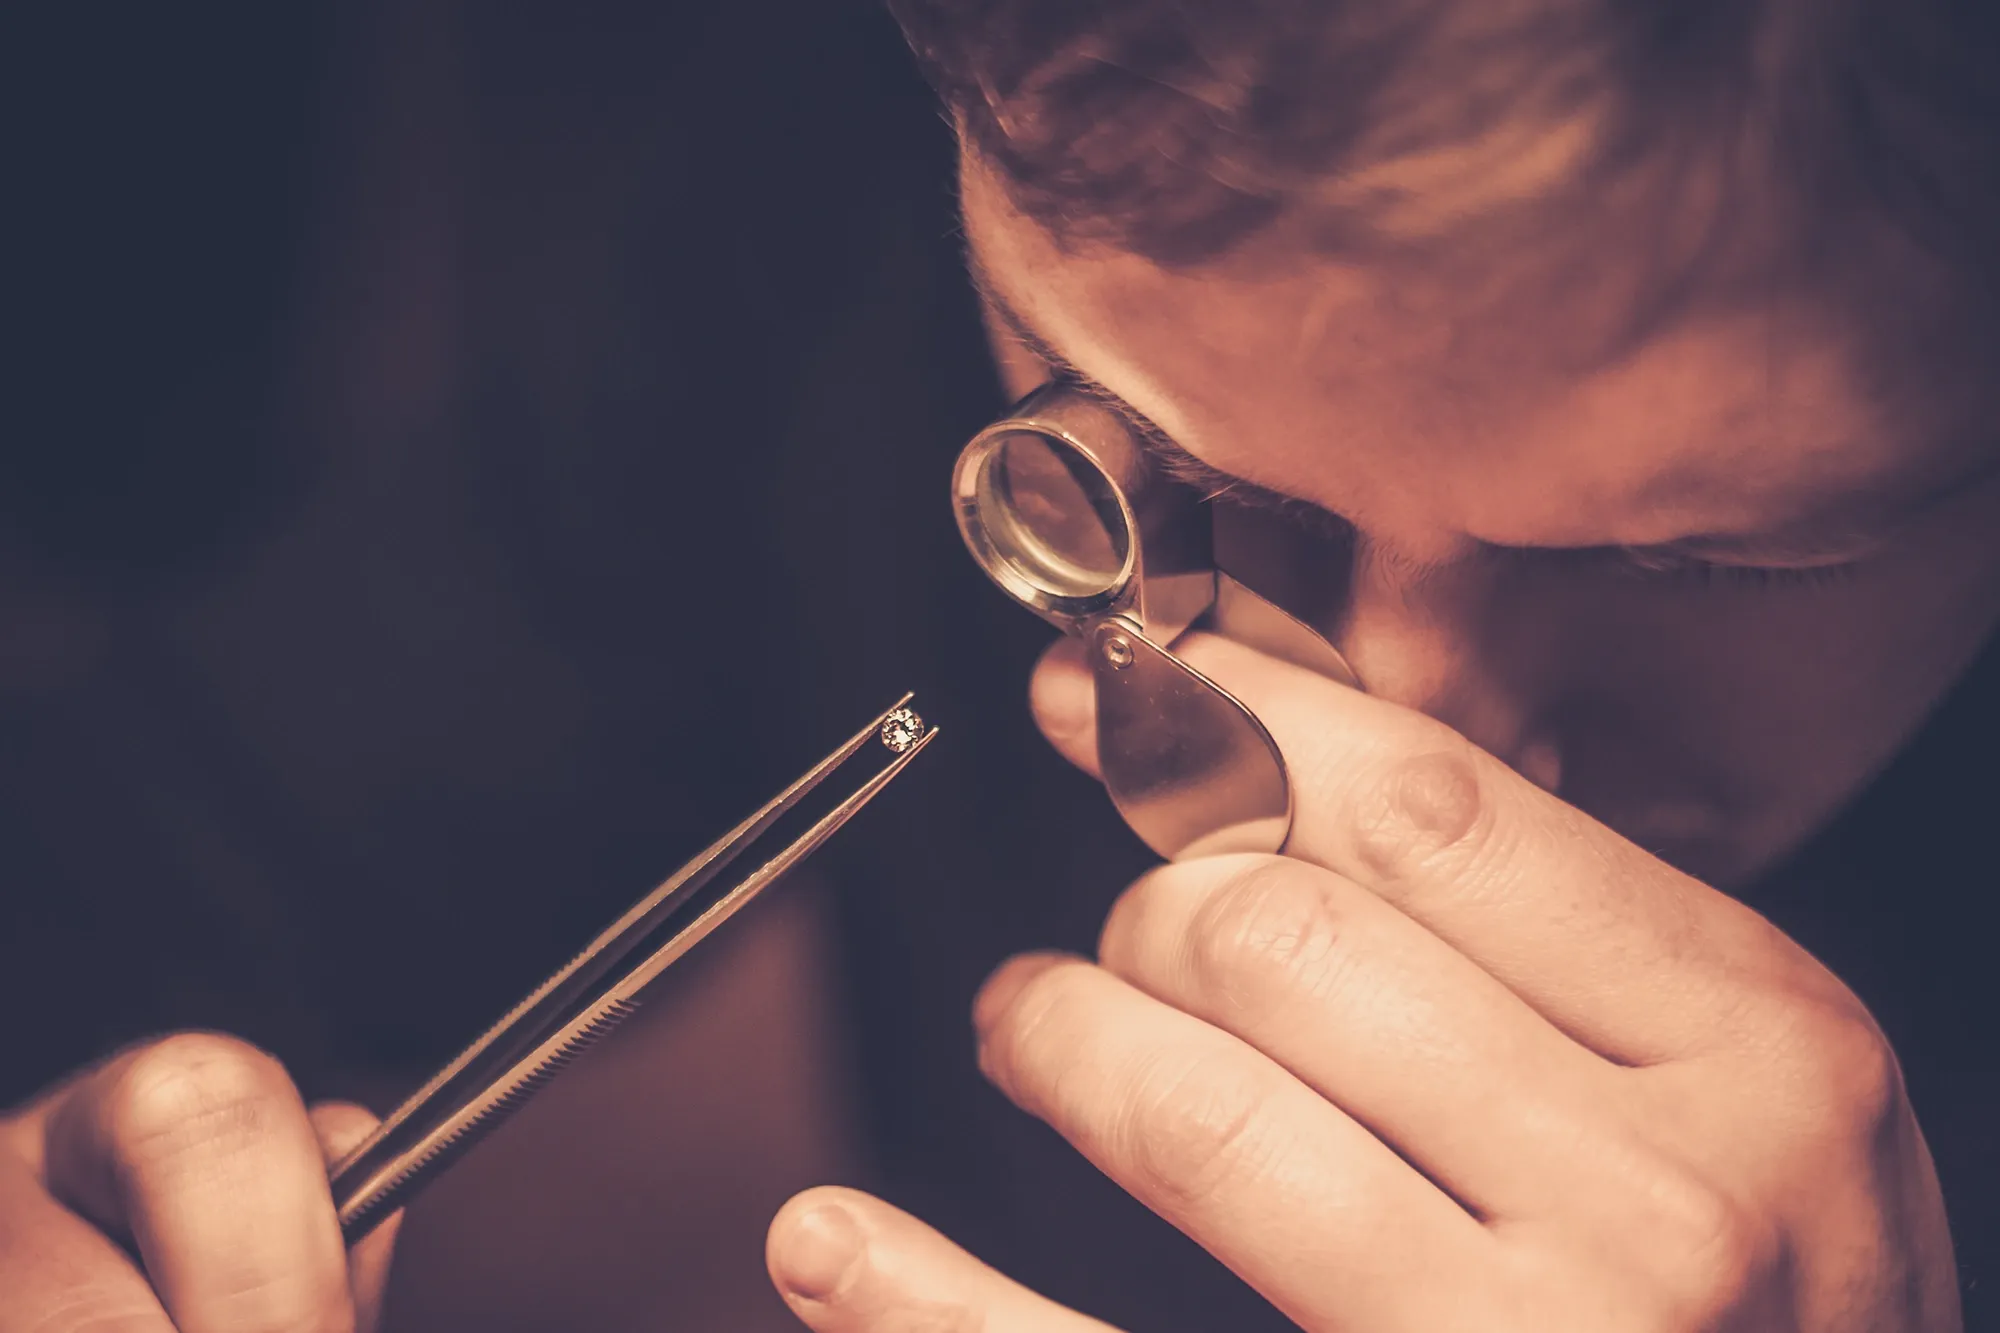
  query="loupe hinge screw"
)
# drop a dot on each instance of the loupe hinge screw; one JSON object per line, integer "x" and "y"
{"x": 1117, "y": 650}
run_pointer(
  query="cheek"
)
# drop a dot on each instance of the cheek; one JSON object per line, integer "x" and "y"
{"x": 1718, "y": 724}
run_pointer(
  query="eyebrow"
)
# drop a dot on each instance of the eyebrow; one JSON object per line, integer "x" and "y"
{"x": 1169, "y": 456}
{"x": 1826, "y": 541}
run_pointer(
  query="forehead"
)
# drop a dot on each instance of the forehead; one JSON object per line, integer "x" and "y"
{"x": 1437, "y": 411}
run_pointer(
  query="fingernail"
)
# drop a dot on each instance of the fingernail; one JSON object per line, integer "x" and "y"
{"x": 1007, "y": 982}
{"x": 1062, "y": 697}
{"x": 821, "y": 1249}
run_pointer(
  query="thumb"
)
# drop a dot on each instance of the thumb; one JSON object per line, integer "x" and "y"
{"x": 1063, "y": 699}
{"x": 849, "y": 1263}
{"x": 341, "y": 1127}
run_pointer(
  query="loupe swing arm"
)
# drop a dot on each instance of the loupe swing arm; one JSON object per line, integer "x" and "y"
{"x": 1063, "y": 508}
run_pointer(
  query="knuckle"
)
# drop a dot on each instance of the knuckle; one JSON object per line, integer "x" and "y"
{"x": 1844, "y": 1075}
{"x": 1711, "y": 1256}
{"x": 1824, "y": 1071}
{"x": 1272, "y": 925}
{"x": 1425, "y": 806}
{"x": 192, "y": 1090}
{"x": 1191, "y": 1129}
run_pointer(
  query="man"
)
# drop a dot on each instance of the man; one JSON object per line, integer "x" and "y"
{"x": 1538, "y": 325}
{"x": 1641, "y": 358}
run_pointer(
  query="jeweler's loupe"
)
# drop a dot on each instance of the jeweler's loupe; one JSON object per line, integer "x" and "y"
{"x": 1062, "y": 507}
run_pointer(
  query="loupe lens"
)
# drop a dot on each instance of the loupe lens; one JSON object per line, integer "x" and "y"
{"x": 1050, "y": 514}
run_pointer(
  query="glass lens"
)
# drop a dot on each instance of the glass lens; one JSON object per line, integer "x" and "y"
{"x": 1053, "y": 516}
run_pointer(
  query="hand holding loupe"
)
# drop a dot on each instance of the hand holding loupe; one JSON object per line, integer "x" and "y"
{"x": 1062, "y": 507}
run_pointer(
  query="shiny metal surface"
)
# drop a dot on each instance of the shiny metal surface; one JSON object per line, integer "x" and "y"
{"x": 1251, "y": 620}
{"x": 1189, "y": 768}
{"x": 1028, "y": 538}
{"x": 1063, "y": 508}
{"x": 594, "y": 992}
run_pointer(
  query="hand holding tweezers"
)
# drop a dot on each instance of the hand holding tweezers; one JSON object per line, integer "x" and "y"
{"x": 596, "y": 991}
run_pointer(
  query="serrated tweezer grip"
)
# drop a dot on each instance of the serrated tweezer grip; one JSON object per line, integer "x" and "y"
{"x": 592, "y": 994}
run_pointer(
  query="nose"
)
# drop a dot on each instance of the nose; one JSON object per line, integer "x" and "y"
{"x": 1429, "y": 637}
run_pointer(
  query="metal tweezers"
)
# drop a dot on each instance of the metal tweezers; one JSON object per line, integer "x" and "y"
{"x": 596, "y": 991}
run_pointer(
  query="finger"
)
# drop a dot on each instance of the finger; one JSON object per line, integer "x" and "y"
{"x": 1376, "y": 1014}
{"x": 341, "y": 1127}
{"x": 1302, "y": 1202}
{"x": 1063, "y": 698}
{"x": 1633, "y": 958}
{"x": 849, "y": 1263}
{"x": 198, "y": 1149}
{"x": 59, "y": 1272}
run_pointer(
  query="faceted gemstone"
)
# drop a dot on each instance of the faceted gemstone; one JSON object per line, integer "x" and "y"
{"x": 902, "y": 729}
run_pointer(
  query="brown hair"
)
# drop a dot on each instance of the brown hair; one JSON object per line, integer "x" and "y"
{"x": 1780, "y": 141}
{"x": 1179, "y": 128}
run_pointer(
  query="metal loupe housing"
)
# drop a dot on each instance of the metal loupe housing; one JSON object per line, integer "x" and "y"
{"x": 1062, "y": 507}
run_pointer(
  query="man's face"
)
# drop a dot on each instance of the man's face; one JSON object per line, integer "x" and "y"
{"x": 1698, "y": 588}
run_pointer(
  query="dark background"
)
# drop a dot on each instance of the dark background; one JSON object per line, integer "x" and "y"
{"x": 465, "y": 457}
{"x": 458, "y": 458}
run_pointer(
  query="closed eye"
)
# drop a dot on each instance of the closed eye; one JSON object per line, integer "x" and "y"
{"x": 1666, "y": 565}
{"x": 1694, "y": 561}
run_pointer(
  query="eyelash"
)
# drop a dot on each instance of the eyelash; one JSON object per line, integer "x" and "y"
{"x": 1707, "y": 573}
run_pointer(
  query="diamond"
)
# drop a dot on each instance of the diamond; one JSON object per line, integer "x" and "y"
{"x": 902, "y": 729}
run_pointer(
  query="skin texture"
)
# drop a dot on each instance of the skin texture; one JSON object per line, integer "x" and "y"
{"x": 181, "y": 1185}
{"x": 1463, "y": 1059}
{"x": 1488, "y": 1047}
{"x": 1485, "y": 483}
{"x": 1473, "y": 1055}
